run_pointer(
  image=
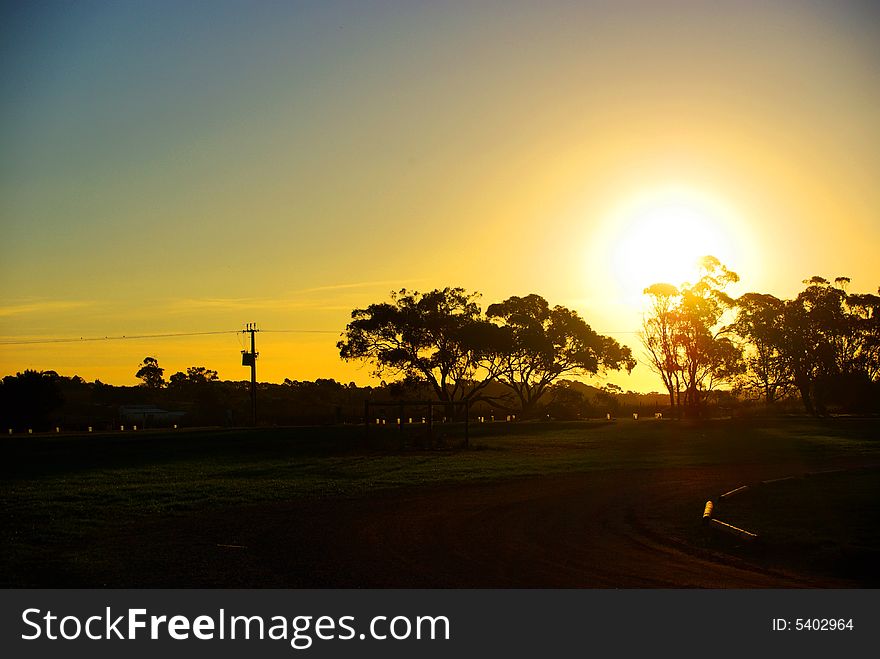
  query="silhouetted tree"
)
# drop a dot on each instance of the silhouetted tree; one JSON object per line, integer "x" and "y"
{"x": 659, "y": 335}
{"x": 151, "y": 373}
{"x": 760, "y": 322}
{"x": 566, "y": 402}
{"x": 865, "y": 308}
{"x": 194, "y": 375}
{"x": 608, "y": 398}
{"x": 683, "y": 339}
{"x": 831, "y": 344}
{"x": 28, "y": 399}
{"x": 539, "y": 345}
{"x": 437, "y": 337}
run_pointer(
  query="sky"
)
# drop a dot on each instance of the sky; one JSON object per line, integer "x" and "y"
{"x": 184, "y": 167}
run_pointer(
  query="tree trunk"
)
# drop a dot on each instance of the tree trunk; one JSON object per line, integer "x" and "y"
{"x": 806, "y": 399}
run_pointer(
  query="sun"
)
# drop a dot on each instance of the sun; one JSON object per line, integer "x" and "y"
{"x": 664, "y": 242}
{"x": 660, "y": 235}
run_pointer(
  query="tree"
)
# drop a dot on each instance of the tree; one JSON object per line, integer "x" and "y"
{"x": 608, "y": 398}
{"x": 437, "y": 337}
{"x": 683, "y": 338}
{"x": 151, "y": 373}
{"x": 865, "y": 308}
{"x": 760, "y": 322}
{"x": 566, "y": 402}
{"x": 538, "y": 345}
{"x": 832, "y": 345}
{"x": 194, "y": 375}
{"x": 659, "y": 336}
{"x": 27, "y": 400}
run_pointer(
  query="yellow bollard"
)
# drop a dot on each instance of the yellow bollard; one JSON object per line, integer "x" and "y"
{"x": 707, "y": 511}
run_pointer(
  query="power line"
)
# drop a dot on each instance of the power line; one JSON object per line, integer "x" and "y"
{"x": 308, "y": 331}
{"x": 129, "y": 337}
{"x": 301, "y": 331}
{"x": 124, "y": 337}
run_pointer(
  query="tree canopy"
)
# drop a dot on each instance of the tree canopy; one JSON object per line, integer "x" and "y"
{"x": 539, "y": 344}
{"x": 684, "y": 340}
{"x": 28, "y": 399}
{"x": 761, "y": 323}
{"x": 151, "y": 373}
{"x": 438, "y": 337}
{"x": 829, "y": 346}
{"x": 195, "y": 375}
{"x": 443, "y": 338}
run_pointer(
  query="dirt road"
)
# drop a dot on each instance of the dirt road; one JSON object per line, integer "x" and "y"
{"x": 604, "y": 529}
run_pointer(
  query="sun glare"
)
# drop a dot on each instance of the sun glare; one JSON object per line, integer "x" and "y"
{"x": 659, "y": 236}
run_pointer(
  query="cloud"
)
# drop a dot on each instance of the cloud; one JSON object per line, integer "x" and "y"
{"x": 361, "y": 284}
{"x": 250, "y": 304}
{"x": 302, "y": 299}
{"x": 42, "y": 307}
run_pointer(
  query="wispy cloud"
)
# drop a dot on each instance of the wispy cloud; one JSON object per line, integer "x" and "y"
{"x": 360, "y": 284}
{"x": 250, "y": 304}
{"x": 302, "y": 299}
{"x": 32, "y": 307}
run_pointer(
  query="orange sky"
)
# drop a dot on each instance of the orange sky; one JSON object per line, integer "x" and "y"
{"x": 167, "y": 170}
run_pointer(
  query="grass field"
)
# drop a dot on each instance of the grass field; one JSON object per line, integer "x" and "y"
{"x": 62, "y": 494}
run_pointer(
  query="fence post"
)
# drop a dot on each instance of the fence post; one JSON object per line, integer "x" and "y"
{"x": 400, "y": 426}
{"x": 430, "y": 424}
{"x": 366, "y": 420}
{"x": 467, "y": 416}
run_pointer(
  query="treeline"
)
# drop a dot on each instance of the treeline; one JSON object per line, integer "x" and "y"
{"x": 42, "y": 401}
{"x": 822, "y": 347}
{"x": 445, "y": 341}
{"x": 709, "y": 350}
{"x": 819, "y": 352}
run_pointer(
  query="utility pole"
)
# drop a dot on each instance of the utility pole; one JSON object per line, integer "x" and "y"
{"x": 250, "y": 359}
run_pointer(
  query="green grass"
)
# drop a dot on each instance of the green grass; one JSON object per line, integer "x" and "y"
{"x": 58, "y": 490}
{"x": 83, "y": 477}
